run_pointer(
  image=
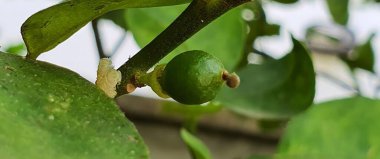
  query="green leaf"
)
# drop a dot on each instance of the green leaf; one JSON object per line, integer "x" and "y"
{"x": 340, "y": 129}
{"x": 197, "y": 147}
{"x": 223, "y": 37}
{"x": 276, "y": 89}
{"x": 49, "y": 27}
{"x": 50, "y": 112}
{"x": 362, "y": 57}
{"x": 339, "y": 10}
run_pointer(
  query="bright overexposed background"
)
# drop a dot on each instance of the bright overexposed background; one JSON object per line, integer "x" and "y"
{"x": 78, "y": 53}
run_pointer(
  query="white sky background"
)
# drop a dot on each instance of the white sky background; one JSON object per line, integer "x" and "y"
{"x": 78, "y": 53}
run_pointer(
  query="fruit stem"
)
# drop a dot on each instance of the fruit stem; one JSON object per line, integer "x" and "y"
{"x": 195, "y": 17}
{"x": 152, "y": 79}
{"x": 232, "y": 79}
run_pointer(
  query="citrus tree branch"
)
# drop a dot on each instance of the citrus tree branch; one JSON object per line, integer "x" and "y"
{"x": 195, "y": 17}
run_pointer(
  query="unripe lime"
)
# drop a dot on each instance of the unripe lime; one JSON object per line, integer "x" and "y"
{"x": 193, "y": 77}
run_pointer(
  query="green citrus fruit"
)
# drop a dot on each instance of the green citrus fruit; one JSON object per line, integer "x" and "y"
{"x": 193, "y": 77}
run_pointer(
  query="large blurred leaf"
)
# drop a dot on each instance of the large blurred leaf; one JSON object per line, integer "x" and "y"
{"x": 362, "y": 57}
{"x": 198, "y": 149}
{"x": 341, "y": 129}
{"x": 275, "y": 89}
{"x": 339, "y": 10}
{"x": 50, "y": 112}
{"x": 223, "y": 38}
{"x": 49, "y": 27}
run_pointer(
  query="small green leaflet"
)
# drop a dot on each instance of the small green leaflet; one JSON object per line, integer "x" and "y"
{"x": 197, "y": 147}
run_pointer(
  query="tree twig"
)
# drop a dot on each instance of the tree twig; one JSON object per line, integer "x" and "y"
{"x": 99, "y": 45}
